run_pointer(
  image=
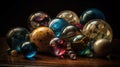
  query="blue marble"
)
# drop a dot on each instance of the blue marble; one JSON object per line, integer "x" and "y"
{"x": 28, "y": 49}
{"x": 57, "y": 25}
{"x": 89, "y": 14}
{"x": 16, "y": 37}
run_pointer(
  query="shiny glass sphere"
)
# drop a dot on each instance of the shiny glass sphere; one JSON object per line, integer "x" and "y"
{"x": 38, "y": 19}
{"x": 70, "y": 31}
{"x": 58, "y": 47}
{"x": 28, "y": 49}
{"x": 16, "y": 36}
{"x": 57, "y": 25}
{"x": 81, "y": 45}
{"x": 91, "y": 13}
{"x": 79, "y": 42}
{"x": 41, "y": 36}
{"x": 70, "y": 16}
{"x": 102, "y": 47}
{"x": 97, "y": 29}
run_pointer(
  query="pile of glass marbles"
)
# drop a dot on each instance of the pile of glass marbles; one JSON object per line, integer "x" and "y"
{"x": 66, "y": 35}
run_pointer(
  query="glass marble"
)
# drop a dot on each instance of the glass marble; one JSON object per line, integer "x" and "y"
{"x": 58, "y": 47}
{"x": 38, "y": 19}
{"x": 16, "y": 36}
{"x": 70, "y": 31}
{"x": 97, "y": 29}
{"x": 69, "y": 16}
{"x": 102, "y": 47}
{"x": 81, "y": 45}
{"x": 91, "y": 13}
{"x": 14, "y": 53}
{"x": 57, "y": 25}
{"x": 41, "y": 36}
{"x": 28, "y": 49}
{"x": 79, "y": 42}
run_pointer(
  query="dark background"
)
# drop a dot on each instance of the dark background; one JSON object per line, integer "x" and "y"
{"x": 16, "y": 12}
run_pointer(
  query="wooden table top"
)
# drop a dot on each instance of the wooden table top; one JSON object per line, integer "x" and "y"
{"x": 44, "y": 60}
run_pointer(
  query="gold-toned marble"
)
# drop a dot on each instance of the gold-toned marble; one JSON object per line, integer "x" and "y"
{"x": 69, "y": 16}
{"x": 41, "y": 36}
{"x": 14, "y": 53}
{"x": 97, "y": 29}
{"x": 102, "y": 47}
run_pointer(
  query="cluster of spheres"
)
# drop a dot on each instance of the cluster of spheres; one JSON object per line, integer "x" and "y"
{"x": 66, "y": 35}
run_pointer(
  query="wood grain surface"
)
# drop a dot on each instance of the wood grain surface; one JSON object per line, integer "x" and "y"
{"x": 47, "y": 60}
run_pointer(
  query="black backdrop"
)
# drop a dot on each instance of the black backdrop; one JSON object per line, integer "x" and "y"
{"x": 16, "y": 12}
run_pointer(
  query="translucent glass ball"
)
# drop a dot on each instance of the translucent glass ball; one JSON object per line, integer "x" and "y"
{"x": 70, "y": 16}
{"x": 58, "y": 47}
{"x": 70, "y": 32}
{"x": 80, "y": 42}
{"x": 91, "y": 13}
{"x": 81, "y": 45}
{"x": 57, "y": 25}
{"x": 38, "y": 19}
{"x": 97, "y": 29}
{"x": 28, "y": 49}
{"x": 16, "y": 36}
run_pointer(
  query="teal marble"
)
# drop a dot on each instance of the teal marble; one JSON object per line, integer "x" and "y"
{"x": 16, "y": 36}
{"x": 91, "y": 13}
